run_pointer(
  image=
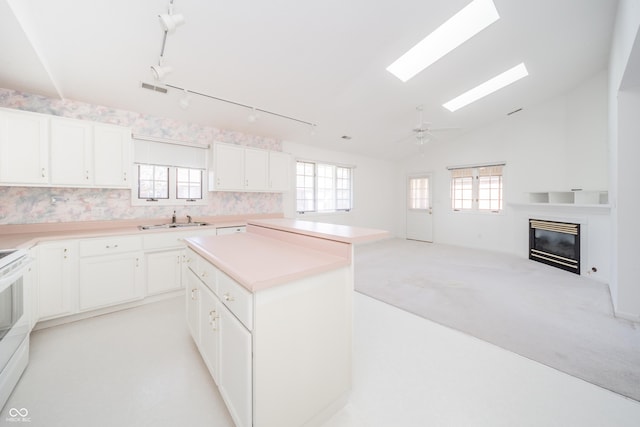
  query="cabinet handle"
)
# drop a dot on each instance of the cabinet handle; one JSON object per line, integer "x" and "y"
{"x": 178, "y": 259}
{"x": 125, "y": 176}
{"x": 212, "y": 320}
{"x": 137, "y": 262}
{"x": 109, "y": 247}
{"x": 86, "y": 176}
{"x": 228, "y": 297}
{"x": 65, "y": 253}
{"x": 218, "y": 182}
{"x": 193, "y": 293}
{"x": 43, "y": 174}
{"x": 204, "y": 274}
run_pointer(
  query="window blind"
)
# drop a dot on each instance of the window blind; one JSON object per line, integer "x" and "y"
{"x": 162, "y": 153}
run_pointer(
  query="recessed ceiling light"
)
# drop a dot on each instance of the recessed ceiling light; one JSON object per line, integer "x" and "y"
{"x": 488, "y": 87}
{"x": 346, "y": 137}
{"x": 475, "y": 17}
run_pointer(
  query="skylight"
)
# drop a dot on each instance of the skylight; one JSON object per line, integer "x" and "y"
{"x": 475, "y": 17}
{"x": 488, "y": 87}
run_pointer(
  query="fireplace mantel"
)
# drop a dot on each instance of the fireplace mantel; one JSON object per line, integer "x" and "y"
{"x": 569, "y": 208}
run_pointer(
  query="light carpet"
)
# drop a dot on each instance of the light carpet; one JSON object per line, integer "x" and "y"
{"x": 557, "y": 318}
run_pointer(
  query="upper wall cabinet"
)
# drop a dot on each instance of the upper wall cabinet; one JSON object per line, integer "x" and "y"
{"x": 112, "y": 156}
{"x": 41, "y": 150}
{"x": 71, "y": 152}
{"x": 24, "y": 148}
{"x": 237, "y": 168}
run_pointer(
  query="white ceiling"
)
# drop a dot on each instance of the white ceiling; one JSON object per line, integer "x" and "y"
{"x": 320, "y": 62}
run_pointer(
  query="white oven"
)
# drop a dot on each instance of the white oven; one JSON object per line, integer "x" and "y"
{"x": 14, "y": 320}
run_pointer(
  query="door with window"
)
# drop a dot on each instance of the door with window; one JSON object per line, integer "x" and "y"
{"x": 419, "y": 209}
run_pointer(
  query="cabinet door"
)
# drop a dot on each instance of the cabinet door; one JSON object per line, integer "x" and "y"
{"x": 71, "y": 152}
{"x": 112, "y": 156}
{"x": 229, "y": 167}
{"x": 279, "y": 171}
{"x": 256, "y": 169}
{"x": 209, "y": 327}
{"x": 24, "y": 142}
{"x": 235, "y": 368}
{"x": 57, "y": 279}
{"x": 110, "y": 279}
{"x": 163, "y": 271}
{"x": 193, "y": 305}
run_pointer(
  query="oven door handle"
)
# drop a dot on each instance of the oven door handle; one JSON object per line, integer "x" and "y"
{"x": 8, "y": 280}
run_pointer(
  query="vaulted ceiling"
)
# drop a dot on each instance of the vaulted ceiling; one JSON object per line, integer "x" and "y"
{"x": 317, "y": 62}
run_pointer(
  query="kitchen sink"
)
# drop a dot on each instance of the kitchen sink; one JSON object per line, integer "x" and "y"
{"x": 172, "y": 225}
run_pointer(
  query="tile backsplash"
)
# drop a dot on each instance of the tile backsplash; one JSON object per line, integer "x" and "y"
{"x": 25, "y": 205}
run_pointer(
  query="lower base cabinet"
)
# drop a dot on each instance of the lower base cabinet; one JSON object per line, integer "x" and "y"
{"x": 287, "y": 362}
{"x": 108, "y": 280}
{"x": 235, "y": 368}
{"x": 163, "y": 271}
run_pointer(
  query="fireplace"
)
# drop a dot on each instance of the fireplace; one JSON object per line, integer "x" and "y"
{"x": 555, "y": 243}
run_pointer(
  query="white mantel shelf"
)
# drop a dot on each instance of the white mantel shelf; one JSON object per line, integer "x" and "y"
{"x": 569, "y": 207}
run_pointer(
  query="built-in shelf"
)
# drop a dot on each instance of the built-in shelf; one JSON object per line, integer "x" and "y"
{"x": 576, "y": 197}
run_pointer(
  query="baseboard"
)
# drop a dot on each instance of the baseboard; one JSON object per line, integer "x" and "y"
{"x": 106, "y": 310}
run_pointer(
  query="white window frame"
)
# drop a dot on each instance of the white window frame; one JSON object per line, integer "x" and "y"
{"x": 173, "y": 199}
{"x": 419, "y": 195}
{"x": 336, "y": 188}
{"x": 474, "y": 175}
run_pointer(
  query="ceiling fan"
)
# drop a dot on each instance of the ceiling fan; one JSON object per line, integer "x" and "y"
{"x": 423, "y": 130}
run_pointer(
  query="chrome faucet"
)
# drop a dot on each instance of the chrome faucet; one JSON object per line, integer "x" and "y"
{"x": 173, "y": 218}
{"x": 189, "y": 219}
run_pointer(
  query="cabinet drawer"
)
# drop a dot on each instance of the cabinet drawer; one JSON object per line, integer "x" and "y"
{"x": 109, "y": 245}
{"x": 230, "y": 230}
{"x": 236, "y": 298}
{"x": 172, "y": 239}
{"x": 162, "y": 241}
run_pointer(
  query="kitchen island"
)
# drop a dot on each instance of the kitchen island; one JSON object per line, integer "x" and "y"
{"x": 271, "y": 313}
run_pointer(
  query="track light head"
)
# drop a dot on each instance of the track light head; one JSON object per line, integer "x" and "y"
{"x": 159, "y": 72}
{"x": 185, "y": 101}
{"x": 253, "y": 117}
{"x": 169, "y": 23}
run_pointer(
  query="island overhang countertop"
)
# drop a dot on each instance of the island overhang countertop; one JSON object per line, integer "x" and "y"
{"x": 259, "y": 262}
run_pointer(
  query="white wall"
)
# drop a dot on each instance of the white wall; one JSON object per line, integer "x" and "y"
{"x": 624, "y": 132}
{"x": 375, "y": 189}
{"x": 556, "y": 146}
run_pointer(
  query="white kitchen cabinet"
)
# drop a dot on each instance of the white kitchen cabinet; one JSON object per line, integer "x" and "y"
{"x": 111, "y": 271}
{"x": 237, "y": 168}
{"x": 235, "y": 369}
{"x": 192, "y": 298}
{"x": 209, "y": 330}
{"x": 57, "y": 264}
{"x": 71, "y": 152}
{"x": 112, "y": 156}
{"x": 163, "y": 271}
{"x": 279, "y": 171}
{"x": 24, "y": 148}
{"x": 30, "y": 281}
{"x": 228, "y": 170}
{"x": 109, "y": 280}
{"x": 256, "y": 169}
{"x": 231, "y": 230}
{"x": 42, "y": 150}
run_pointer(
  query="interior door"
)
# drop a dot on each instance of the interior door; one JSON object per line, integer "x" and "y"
{"x": 419, "y": 210}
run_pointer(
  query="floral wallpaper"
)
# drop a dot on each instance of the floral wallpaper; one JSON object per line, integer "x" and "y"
{"x": 25, "y": 205}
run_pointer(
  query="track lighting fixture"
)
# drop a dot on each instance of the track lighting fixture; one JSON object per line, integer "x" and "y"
{"x": 170, "y": 22}
{"x": 253, "y": 117}
{"x": 185, "y": 101}
{"x": 159, "y": 72}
